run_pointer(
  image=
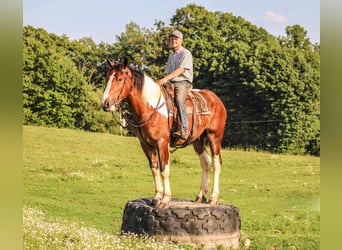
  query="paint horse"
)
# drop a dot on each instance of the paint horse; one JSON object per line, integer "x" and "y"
{"x": 152, "y": 122}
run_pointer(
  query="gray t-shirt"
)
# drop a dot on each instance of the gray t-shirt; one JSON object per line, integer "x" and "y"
{"x": 181, "y": 58}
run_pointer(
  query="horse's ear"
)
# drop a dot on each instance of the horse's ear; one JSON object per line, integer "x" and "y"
{"x": 125, "y": 62}
{"x": 111, "y": 64}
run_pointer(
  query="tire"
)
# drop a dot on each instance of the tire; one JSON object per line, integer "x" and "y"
{"x": 186, "y": 222}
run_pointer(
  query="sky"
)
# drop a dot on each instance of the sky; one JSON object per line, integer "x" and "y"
{"x": 103, "y": 20}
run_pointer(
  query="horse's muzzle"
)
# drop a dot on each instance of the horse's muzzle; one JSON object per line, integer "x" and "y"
{"x": 109, "y": 106}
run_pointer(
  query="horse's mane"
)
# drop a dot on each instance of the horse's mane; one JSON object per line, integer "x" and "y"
{"x": 138, "y": 78}
{"x": 149, "y": 89}
{"x": 151, "y": 94}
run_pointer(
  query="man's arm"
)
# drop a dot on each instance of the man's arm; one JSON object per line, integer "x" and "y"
{"x": 173, "y": 74}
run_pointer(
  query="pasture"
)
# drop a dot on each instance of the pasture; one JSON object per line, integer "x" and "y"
{"x": 80, "y": 180}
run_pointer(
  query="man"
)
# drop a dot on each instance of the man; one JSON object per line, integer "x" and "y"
{"x": 179, "y": 72}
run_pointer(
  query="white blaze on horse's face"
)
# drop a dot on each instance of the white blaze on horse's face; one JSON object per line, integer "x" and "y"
{"x": 106, "y": 92}
{"x": 151, "y": 94}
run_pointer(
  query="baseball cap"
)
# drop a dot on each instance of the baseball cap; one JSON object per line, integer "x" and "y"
{"x": 177, "y": 33}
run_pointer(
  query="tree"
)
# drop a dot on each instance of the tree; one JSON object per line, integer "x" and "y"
{"x": 63, "y": 82}
{"x": 145, "y": 49}
{"x": 54, "y": 93}
{"x": 305, "y": 61}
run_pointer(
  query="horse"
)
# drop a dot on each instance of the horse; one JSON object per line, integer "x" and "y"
{"x": 152, "y": 121}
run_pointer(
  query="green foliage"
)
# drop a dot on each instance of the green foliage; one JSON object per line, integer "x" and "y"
{"x": 59, "y": 79}
{"x": 87, "y": 178}
{"x": 145, "y": 49}
{"x": 54, "y": 91}
{"x": 269, "y": 85}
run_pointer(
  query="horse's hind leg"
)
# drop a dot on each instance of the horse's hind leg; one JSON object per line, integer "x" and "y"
{"x": 199, "y": 146}
{"x": 217, "y": 163}
{"x": 215, "y": 147}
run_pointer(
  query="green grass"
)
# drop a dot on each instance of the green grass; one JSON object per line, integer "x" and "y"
{"x": 41, "y": 232}
{"x": 87, "y": 178}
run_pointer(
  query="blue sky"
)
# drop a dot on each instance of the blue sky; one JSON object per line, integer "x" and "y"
{"x": 104, "y": 19}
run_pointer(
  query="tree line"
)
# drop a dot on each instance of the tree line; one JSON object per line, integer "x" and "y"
{"x": 269, "y": 85}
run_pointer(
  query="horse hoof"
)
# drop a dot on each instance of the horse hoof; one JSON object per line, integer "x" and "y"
{"x": 201, "y": 199}
{"x": 213, "y": 202}
{"x": 155, "y": 202}
{"x": 164, "y": 205}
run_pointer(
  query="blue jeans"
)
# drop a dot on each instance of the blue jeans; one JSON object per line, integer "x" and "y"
{"x": 181, "y": 90}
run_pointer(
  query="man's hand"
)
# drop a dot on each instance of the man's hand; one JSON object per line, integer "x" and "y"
{"x": 162, "y": 81}
{"x": 173, "y": 74}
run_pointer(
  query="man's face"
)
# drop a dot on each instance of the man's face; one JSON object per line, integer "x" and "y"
{"x": 175, "y": 42}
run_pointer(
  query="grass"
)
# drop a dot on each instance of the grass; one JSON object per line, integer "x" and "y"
{"x": 87, "y": 178}
{"x": 41, "y": 232}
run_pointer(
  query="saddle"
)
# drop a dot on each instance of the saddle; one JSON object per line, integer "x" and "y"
{"x": 196, "y": 104}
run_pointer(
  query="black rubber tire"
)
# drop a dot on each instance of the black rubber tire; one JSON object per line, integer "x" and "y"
{"x": 195, "y": 224}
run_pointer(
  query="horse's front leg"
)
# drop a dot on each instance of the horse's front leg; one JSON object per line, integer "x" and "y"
{"x": 158, "y": 187}
{"x": 153, "y": 161}
{"x": 164, "y": 161}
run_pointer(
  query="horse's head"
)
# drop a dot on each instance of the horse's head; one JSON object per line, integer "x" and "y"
{"x": 119, "y": 82}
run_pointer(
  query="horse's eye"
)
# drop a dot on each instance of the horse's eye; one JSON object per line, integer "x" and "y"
{"x": 120, "y": 79}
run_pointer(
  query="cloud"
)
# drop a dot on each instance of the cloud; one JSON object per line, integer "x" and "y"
{"x": 270, "y": 16}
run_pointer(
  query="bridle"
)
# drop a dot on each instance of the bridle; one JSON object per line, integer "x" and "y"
{"x": 116, "y": 100}
{"x": 124, "y": 113}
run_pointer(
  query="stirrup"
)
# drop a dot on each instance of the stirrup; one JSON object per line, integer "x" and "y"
{"x": 177, "y": 134}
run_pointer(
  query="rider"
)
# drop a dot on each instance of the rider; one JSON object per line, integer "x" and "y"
{"x": 179, "y": 72}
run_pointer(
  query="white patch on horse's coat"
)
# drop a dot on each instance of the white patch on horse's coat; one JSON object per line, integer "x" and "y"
{"x": 217, "y": 171}
{"x": 205, "y": 160}
{"x": 166, "y": 175}
{"x": 151, "y": 94}
{"x": 158, "y": 185}
{"x": 106, "y": 92}
{"x": 205, "y": 163}
{"x": 216, "y": 159}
